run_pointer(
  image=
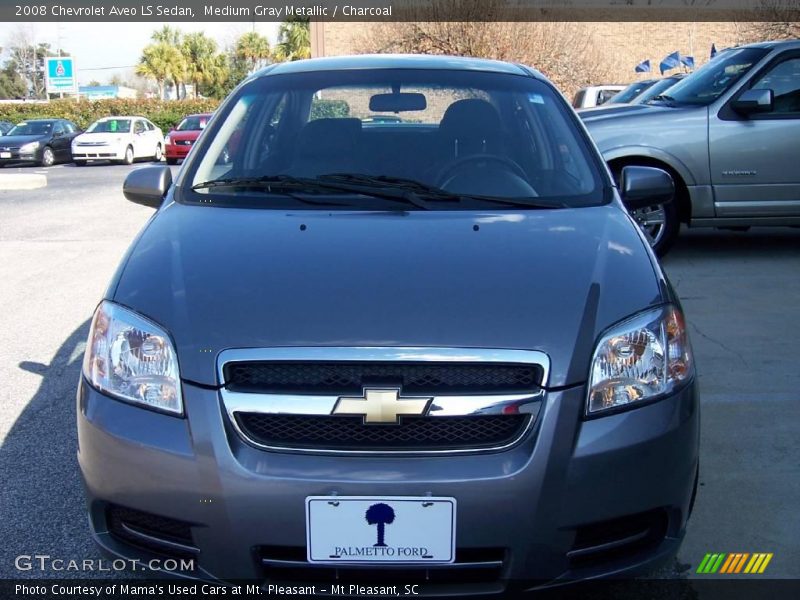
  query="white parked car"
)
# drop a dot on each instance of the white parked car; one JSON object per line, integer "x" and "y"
{"x": 119, "y": 139}
{"x": 595, "y": 95}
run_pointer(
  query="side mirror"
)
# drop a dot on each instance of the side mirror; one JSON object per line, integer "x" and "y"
{"x": 754, "y": 101}
{"x": 645, "y": 186}
{"x": 148, "y": 185}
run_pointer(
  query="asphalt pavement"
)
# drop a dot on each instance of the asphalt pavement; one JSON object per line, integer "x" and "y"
{"x": 60, "y": 244}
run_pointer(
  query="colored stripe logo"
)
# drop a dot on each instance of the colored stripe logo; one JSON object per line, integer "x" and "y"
{"x": 736, "y": 562}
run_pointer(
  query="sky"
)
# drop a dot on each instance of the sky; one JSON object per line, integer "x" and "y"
{"x": 104, "y": 49}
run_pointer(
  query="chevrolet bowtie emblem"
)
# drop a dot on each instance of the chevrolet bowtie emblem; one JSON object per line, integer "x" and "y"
{"x": 381, "y": 406}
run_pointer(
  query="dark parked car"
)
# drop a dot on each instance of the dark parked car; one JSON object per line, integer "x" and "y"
{"x": 40, "y": 141}
{"x": 657, "y": 89}
{"x": 178, "y": 142}
{"x": 439, "y": 348}
{"x": 629, "y": 93}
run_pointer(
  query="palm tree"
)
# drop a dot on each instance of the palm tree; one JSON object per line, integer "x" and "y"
{"x": 200, "y": 54}
{"x": 162, "y": 62}
{"x": 381, "y": 515}
{"x": 167, "y": 35}
{"x": 253, "y": 48}
{"x": 154, "y": 65}
{"x": 294, "y": 40}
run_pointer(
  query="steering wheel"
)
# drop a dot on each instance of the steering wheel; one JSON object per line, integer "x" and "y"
{"x": 459, "y": 163}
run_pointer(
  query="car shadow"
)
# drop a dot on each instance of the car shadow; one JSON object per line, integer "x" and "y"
{"x": 43, "y": 507}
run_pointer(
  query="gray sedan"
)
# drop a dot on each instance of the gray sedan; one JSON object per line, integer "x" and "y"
{"x": 729, "y": 134}
{"x": 433, "y": 351}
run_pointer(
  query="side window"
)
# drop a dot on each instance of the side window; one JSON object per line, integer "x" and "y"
{"x": 149, "y": 126}
{"x": 578, "y": 101}
{"x": 58, "y": 129}
{"x": 69, "y": 127}
{"x": 784, "y": 80}
{"x": 138, "y": 127}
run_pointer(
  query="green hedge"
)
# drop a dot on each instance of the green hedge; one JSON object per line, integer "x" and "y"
{"x": 164, "y": 113}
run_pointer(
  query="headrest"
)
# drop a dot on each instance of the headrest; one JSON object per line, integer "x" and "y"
{"x": 470, "y": 118}
{"x": 324, "y": 137}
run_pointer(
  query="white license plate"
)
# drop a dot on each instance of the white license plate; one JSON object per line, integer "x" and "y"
{"x": 397, "y": 529}
{"x": 5, "y": 154}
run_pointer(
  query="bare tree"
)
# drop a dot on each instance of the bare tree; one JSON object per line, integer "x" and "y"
{"x": 568, "y": 53}
{"x": 772, "y": 20}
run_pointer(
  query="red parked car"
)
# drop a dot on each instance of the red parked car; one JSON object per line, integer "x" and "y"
{"x": 180, "y": 140}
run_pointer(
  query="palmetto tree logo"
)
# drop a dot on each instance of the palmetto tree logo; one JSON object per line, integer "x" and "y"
{"x": 381, "y": 515}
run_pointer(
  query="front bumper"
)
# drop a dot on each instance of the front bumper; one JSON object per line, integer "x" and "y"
{"x": 534, "y": 502}
{"x": 98, "y": 152}
{"x": 175, "y": 151}
{"x": 15, "y": 156}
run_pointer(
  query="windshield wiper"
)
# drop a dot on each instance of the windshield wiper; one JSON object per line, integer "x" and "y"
{"x": 430, "y": 192}
{"x": 283, "y": 184}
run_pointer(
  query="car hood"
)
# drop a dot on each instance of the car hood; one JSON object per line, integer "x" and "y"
{"x": 19, "y": 140}
{"x": 549, "y": 280}
{"x": 621, "y": 110}
{"x": 184, "y": 135}
{"x": 107, "y": 137}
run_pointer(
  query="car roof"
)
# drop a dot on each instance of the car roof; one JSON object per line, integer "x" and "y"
{"x": 40, "y": 120}
{"x": 396, "y": 61}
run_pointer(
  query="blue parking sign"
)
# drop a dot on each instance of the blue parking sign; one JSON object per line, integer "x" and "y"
{"x": 60, "y": 74}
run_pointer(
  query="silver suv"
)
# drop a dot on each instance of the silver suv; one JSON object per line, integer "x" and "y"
{"x": 730, "y": 136}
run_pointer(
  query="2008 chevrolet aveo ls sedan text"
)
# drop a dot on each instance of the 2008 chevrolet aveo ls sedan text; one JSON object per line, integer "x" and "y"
{"x": 405, "y": 330}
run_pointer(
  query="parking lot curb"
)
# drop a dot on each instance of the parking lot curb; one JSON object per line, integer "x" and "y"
{"x": 22, "y": 182}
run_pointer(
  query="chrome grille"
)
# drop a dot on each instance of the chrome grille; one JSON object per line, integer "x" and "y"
{"x": 477, "y": 399}
{"x": 351, "y": 377}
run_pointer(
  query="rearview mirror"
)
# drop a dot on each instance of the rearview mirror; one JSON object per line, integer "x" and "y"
{"x": 148, "y": 185}
{"x": 645, "y": 186}
{"x": 754, "y": 101}
{"x": 398, "y": 102}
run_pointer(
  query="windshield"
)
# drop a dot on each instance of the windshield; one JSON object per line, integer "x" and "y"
{"x": 437, "y": 131}
{"x": 630, "y": 92}
{"x": 110, "y": 126}
{"x": 656, "y": 89}
{"x": 193, "y": 123}
{"x": 32, "y": 128}
{"x": 715, "y": 77}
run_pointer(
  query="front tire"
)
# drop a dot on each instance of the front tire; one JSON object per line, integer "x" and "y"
{"x": 48, "y": 157}
{"x": 159, "y": 153}
{"x": 659, "y": 223}
{"x": 128, "y": 160}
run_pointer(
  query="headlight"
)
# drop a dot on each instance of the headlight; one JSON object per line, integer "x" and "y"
{"x": 132, "y": 358}
{"x": 642, "y": 358}
{"x": 29, "y": 147}
{"x": 167, "y": 141}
